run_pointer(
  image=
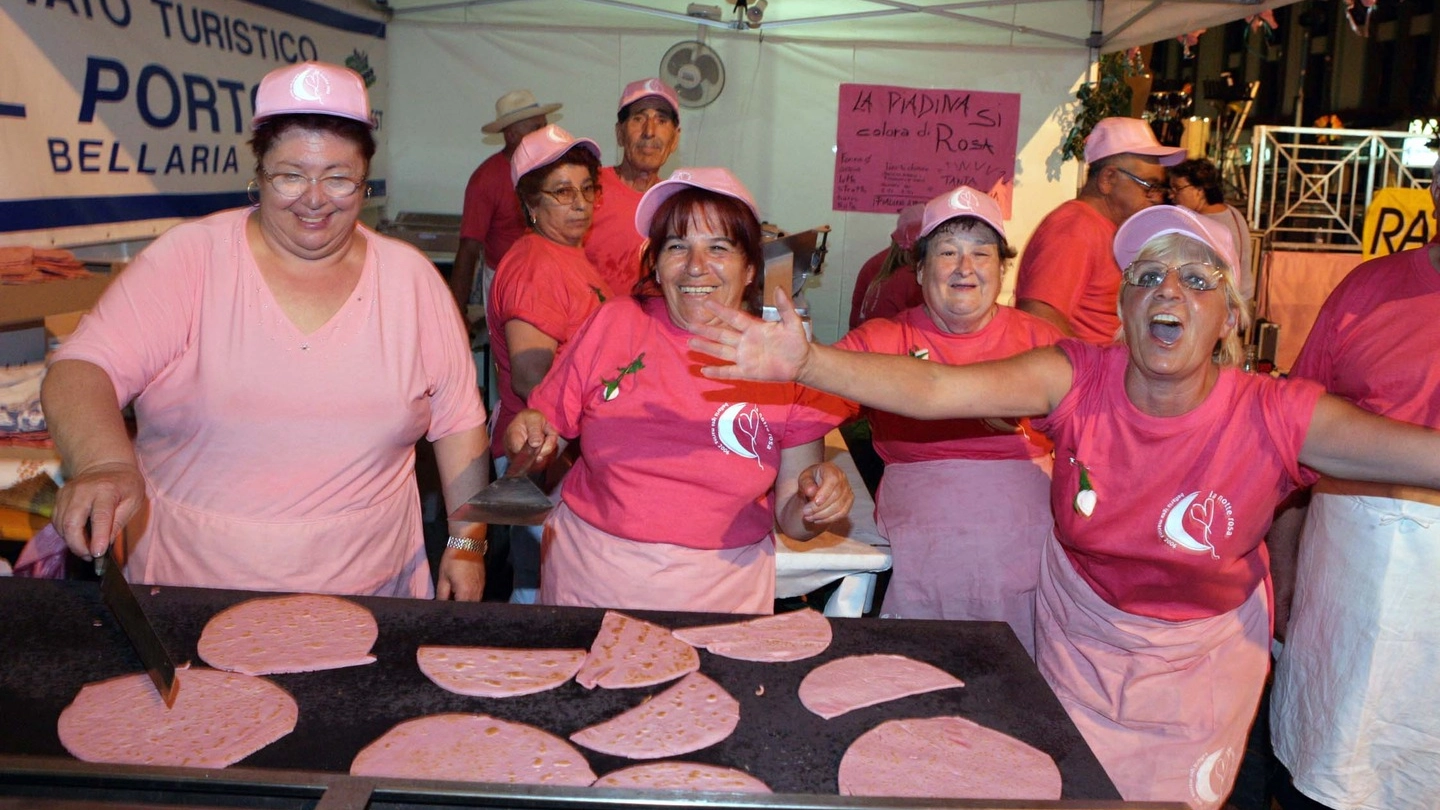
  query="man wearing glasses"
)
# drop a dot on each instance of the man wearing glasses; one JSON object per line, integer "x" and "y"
{"x": 1068, "y": 274}
{"x": 648, "y": 130}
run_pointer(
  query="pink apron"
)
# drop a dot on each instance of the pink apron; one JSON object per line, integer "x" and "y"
{"x": 333, "y": 554}
{"x": 584, "y": 566}
{"x": 1165, "y": 706}
{"x": 965, "y": 537}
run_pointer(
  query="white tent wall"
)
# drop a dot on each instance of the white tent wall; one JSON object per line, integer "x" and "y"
{"x": 774, "y": 124}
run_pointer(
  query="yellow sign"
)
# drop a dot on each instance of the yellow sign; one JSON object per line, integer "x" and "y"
{"x": 1398, "y": 219}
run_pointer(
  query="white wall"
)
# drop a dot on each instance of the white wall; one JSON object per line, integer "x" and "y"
{"x": 773, "y": 125}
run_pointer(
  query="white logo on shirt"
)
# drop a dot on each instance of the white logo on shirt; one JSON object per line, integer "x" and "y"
{"x": 740, "y": 428}
{"x": 1210, "y": 775}
{"x": 1189, "y": 525}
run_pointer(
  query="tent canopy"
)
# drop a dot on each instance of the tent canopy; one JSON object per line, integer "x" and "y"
{"x": 1025, "y": 23}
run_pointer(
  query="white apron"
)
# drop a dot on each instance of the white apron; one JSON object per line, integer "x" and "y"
{"x": 584, "y": 566}
{"x": 1355, "y": 710}
{"x": 1165, "y": 706}
{"x": 965, "y": 537}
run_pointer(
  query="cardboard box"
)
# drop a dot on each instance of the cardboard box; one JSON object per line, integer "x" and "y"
{"x": 30, "y": 303}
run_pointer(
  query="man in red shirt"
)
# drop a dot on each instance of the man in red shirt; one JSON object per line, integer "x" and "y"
{"x": 1067, "y": 274}
{"x": 648, "y": 130}
{"x": 491, "y": 220}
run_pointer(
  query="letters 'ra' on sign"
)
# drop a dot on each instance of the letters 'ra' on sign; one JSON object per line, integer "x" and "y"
{"x": 1398, "y": 219}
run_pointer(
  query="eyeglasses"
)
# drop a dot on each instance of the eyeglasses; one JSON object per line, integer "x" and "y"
{"x": 1174, "y": 189}
{"x": 291, "y": 185}
{"x": 1151, "y": 189}
{"x": 1197, "y": 276}
{"x": 569, "y": 194}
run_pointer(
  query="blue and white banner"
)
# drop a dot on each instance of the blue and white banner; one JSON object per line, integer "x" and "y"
{"x": 119, "y": 117}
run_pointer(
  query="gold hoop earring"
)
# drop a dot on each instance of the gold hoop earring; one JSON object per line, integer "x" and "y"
{"x": 252, "y": 191}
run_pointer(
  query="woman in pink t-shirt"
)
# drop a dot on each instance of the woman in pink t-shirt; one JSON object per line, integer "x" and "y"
{"x": 1152, "y": 607}
{"x": 975, "y": 556}
{"x": 282, "y": 361}
{"x": 673, "y": 503}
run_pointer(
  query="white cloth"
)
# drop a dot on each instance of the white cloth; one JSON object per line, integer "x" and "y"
{"x": 1355, "y": 710}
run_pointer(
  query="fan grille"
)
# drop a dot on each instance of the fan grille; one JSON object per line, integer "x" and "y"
{"x": 695, "y": 71}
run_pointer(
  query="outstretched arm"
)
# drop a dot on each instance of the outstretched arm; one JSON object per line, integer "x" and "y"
{"x": 1025, "y": 385}
{"x": 1345, "y": 441}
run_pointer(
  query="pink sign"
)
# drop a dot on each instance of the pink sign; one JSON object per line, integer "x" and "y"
{"x": 903, "y": 145}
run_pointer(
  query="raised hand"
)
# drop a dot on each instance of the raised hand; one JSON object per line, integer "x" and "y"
{"x": 755, "y": 349}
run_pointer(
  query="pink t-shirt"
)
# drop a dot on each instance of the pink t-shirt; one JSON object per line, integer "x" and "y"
{"x": 550, "y": 286}
{"x": 492, "y": 214}
{"x": 1182, "y": 503}
{"x": 1376, "y": 337}
{"x": 899, "y": 439}
{"x": 613, "y": 244}
{"x": 1068, "y": 264}
{"x": 671, "y": 456}
{"x": 276, "y": 460}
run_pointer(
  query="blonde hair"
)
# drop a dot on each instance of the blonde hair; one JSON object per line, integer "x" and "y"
{"x": 1177, "y": 247}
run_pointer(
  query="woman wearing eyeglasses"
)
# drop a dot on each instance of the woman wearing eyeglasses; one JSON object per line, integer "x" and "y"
{"x": 1196, "y": 185}
{"x": 282, "y": 361}
{"x": 544, "y": 289}
{"x": 1153, "y": 606}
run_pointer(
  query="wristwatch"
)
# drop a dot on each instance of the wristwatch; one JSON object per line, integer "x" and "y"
{"x": 468, "y": 544}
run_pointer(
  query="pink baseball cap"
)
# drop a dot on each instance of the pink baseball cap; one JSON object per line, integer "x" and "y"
{"x": 543, "y": 147}
{"x": 907, "y": 225}
{"x": 718, "y": 180}
{"x": 962, "y": 202}
{"x": 1159, "y": 220}
{"x": 648, "y": 88}
{"x": 312, "y": 87}
{"x": 1128, "y": 136}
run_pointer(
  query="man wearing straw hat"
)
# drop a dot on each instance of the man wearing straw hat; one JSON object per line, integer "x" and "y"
{"x": 491, "y": 220}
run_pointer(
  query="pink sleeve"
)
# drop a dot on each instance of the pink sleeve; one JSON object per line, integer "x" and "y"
{"x": 1085, "y": 360}
{"x": 455, "y": 404}
{"x": 561, "y": 396}
{"x": 1287, "y": 406}
{"x": 1048, "y": 271}
{"x": 146, "y": 317}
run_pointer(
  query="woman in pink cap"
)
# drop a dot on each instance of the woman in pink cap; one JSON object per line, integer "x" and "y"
{"x": 282, "y": 361}
{"x": 1153, "y": 607}
{"x": 544, "y": 289}
{"x": 976, "y": 555}
{"x": 886, "y": 285}
{"x": 682, "y": 480}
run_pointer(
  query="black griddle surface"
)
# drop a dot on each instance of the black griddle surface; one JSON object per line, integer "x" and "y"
{"x": 56, "y": 636}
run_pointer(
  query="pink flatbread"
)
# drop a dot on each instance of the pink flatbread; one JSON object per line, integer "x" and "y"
{"x": 683, "y": 776}
{"x": 289, "y": 634}
{"x": 857, "y": 681}
{"x": 473, "y": 748}
{"x": 946, "y": 757}
{"x": 693, "y": 714}
{"x": 498, "y": 671}
{"x": 219, "y": 718}
{"x": 628, "y": 652}
{"x": 784, "y": 637}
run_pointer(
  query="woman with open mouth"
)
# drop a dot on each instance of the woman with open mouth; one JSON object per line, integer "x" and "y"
{"x": 1153, "y": 606}
{"x": 673, "y": 503}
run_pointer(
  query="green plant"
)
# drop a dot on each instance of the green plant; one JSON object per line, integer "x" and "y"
{"x": 1107, "y": 97}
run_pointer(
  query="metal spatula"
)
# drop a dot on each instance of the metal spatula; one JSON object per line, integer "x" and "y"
{"x": 511, "y": 500}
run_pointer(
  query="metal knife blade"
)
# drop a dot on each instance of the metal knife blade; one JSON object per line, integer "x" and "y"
{"x": 121, "y": 600}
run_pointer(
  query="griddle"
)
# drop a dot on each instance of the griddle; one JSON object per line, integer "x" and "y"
{"x": 56, "y": 636}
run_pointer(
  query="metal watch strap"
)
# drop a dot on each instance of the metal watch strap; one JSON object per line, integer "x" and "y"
{"x": 468, "y": 544}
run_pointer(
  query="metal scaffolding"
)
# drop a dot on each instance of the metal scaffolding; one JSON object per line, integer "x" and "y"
{"x": 1310, "y": 187}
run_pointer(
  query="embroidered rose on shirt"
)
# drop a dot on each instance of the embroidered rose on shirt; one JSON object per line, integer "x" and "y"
{"x": 1085, "y": 498}
{"x": 919, "y": 353}
{"x": 612, "y": 387}
{"x": 598, "y": 293}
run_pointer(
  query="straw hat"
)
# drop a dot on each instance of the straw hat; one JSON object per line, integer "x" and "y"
{"x": 517, "y": 105}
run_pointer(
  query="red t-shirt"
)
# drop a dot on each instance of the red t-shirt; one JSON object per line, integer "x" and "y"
{"x": 883, "y": 299}
{"x": 1068, "y": 264}
{"x": 899, "y": 439}
{"x": 1377, "y": 339}
{"x": 550, "y": 286}
{"x": 1182, "y": 502}
{"x": 672, "y": 456}
{"x": 613, "y": 244}
{"x": 492, "y": 213}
